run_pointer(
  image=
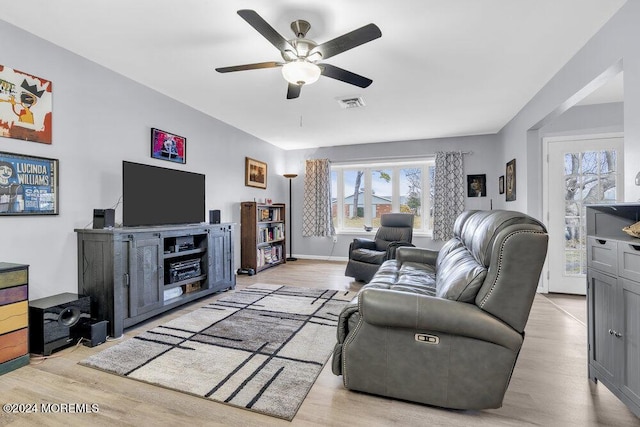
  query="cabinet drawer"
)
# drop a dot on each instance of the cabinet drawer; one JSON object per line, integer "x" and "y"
{"x": 14, "y": 344}
{"x": 13, "y": 278}
{"x": 629, "y": 260}
{"x": 602, "y": 254}
{"x": 14, "y": 294}
{"x": 13, "y": 316}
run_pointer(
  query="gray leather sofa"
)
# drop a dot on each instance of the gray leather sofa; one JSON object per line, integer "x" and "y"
{"x": 445, "y": 327}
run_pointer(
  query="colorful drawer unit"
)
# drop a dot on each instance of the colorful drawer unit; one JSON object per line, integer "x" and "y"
{"x": 14, "y": 321}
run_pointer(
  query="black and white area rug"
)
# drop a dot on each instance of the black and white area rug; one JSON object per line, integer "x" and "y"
{"x": 260, "y": 348}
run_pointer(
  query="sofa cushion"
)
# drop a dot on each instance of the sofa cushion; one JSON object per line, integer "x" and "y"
{"x": 447, "y": 248}
{"x": 386, "y": 275}
{"x": 460, "y": 276}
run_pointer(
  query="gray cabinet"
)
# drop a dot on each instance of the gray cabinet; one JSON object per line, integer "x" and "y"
{"x": 613, "y": 298}
{"x": 136, "y": 273}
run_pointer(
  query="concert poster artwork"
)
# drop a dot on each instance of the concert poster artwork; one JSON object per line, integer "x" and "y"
{"x": 28, "y": 185}
{"x": 168, "y": 146}
{"x": 25, "y": 106}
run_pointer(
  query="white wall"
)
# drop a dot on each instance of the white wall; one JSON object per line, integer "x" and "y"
{"x": 483, "y": 159}
{"x": 100, "y": 119}
{"x": 613, "y": 47}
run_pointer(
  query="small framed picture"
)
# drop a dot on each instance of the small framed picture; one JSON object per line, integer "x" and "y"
{"x": 255, "y": 173}
{"x": 167, "y": 146}
{"x": 476, "y": 185}
{"x": 510, "y": 181}
{"x": 501, "y": 184}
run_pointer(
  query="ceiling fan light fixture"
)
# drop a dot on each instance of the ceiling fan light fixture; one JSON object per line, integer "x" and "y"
{"x": 301, "y": 72}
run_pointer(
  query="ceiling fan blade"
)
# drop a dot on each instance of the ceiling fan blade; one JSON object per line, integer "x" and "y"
{"x": 267, "y": 31}
{"x": 338, "y": 73}
{"x": 255, "y": 66}
{"x": 293, "y": 91}
{"x": 348, "y": 41}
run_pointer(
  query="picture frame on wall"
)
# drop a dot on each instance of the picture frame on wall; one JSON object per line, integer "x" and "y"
{"x": 255, "y": 173}
{"x": 28, "y": 185}
{"x": 501, "y": 184}
{"x": 168, "y": 146}
{"x": 510, "y": 181}
{"x": 477, "y": 185}
{"x": 25, "y": 106}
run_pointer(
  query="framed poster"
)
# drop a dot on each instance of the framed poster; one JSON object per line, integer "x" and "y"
{"x": 167, "y": 146}
{"x": 25, "y": 106}
{"x": 501, "y": 184}
{"x": 477, "y": 185}
{"x": 255, "y": 174}
{"x": 28, "y": 185}
{"x": 510, "y": 181}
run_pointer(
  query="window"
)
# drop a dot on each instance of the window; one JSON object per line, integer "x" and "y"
{"x": 361, "y": 193}
{"x": 590, "y": 177}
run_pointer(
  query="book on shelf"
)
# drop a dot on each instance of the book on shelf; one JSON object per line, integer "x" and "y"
{"x": 269, "y": 234}
{"x": 269, "y": 214}
{"x": 269, "y": 255}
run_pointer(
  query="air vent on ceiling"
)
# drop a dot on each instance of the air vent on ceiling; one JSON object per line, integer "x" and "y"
{"x": 351, "y": 102}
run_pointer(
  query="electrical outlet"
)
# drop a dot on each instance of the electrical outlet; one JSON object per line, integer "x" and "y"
{"x": 335, "y": 239}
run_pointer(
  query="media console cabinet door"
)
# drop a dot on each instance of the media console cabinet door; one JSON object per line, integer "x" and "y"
{"x": 146, "y": 274}
{"x": 220, "y": 258}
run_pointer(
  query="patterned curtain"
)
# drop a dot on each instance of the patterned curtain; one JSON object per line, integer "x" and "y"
{"x": 316, "y": 211}
{"x": 448, "y": 193}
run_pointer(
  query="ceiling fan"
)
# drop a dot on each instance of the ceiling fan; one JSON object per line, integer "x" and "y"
{"x": 301, "y": 55}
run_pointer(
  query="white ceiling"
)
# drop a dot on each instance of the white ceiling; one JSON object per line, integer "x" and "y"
{"x": 440, "y": 69}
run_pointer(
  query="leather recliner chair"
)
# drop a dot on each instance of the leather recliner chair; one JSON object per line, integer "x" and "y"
{"x": 445, "y": 327}
{"x": 366, "y": 255}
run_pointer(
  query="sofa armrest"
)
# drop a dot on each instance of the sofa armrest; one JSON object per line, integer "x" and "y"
{"x": 420, "y": 255}
{"x": 397, "y": 309}
{"x": 393, "y": 248}
{"x": 362, "y": 243}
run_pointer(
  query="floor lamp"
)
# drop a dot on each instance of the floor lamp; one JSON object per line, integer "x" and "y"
{"x": 290, "y": 177}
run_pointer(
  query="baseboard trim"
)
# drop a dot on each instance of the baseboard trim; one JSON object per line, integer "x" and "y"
{"x": 322, "y": 257}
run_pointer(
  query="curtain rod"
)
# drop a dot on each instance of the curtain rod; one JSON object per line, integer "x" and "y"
{"x": 369, "y": 159}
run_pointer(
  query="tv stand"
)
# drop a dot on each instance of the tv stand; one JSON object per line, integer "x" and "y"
{"x": 135, "y": 273}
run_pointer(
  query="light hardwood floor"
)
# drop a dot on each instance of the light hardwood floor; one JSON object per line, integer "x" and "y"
{"x": 549, "y": 386}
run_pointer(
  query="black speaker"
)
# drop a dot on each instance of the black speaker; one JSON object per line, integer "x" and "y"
{"x": 94, "y": 332}
{"x": 214, "y": 216}
{"x": 104, "y": 218}
{"x": 53, "y": 321}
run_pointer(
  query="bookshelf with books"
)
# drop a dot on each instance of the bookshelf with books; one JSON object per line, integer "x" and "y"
{"x": 262, "y": 235}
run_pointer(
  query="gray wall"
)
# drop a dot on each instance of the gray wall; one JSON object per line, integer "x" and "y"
{"x": 100, "y": 119}
{"x": 613, "y": 48}
{"x": 482, "y": 159}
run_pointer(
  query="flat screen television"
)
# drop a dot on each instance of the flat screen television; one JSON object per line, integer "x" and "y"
{"x": 152, "y": 195}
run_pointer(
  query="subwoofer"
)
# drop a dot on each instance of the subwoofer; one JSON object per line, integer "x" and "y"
{"x": 52, "y": 321}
